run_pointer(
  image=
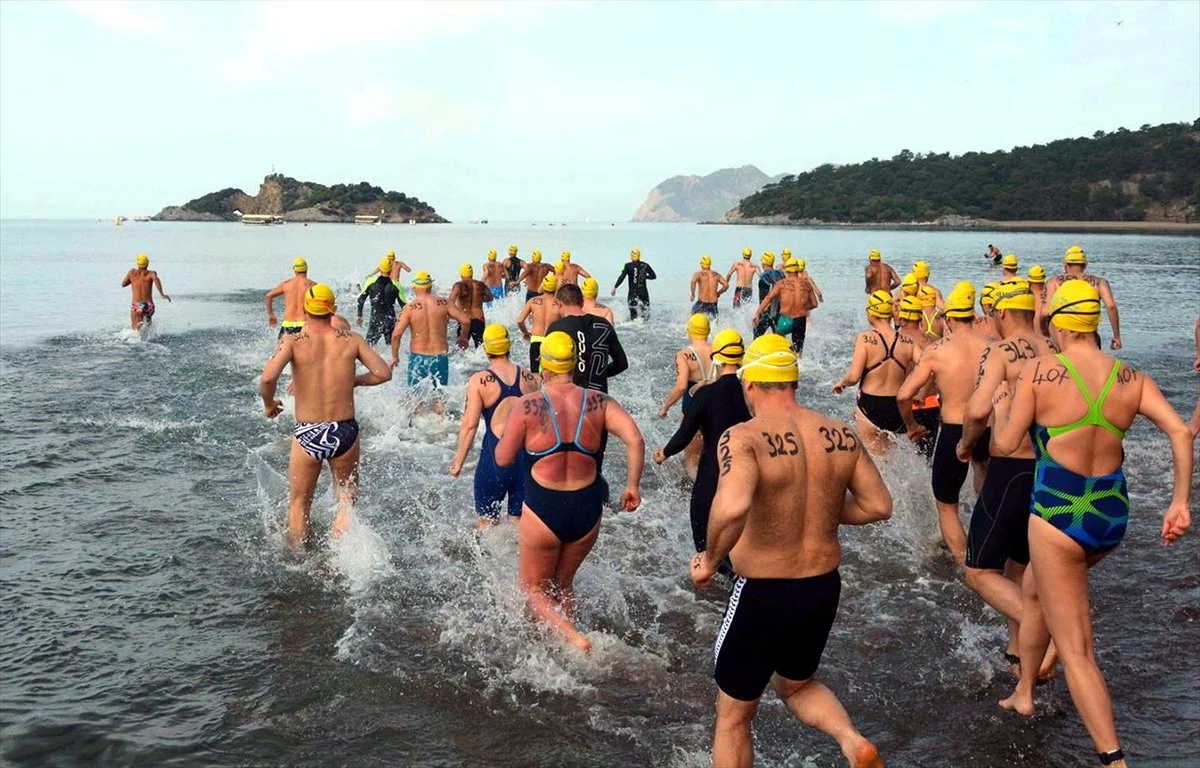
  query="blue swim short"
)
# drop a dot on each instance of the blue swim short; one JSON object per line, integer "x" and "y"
{"x": 497, "y": 291}
{"x": 433, "y": 367}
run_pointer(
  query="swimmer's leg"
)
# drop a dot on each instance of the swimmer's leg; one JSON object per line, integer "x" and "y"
{"x": 733, "y": 743}
{"x": 691, "y": 456}
{"x": 135, "y": 319}
{"x": 1014, "y": 572}
{"x": 997, "y": 590}
{"x": 817, "y": 707}
{"x": 873, "y": 439}
{"x": 953, "y": 532}
{"x": 303, "y": 472}
{"x": 345, "y": 479}
{"x": 978, "y": 475}
{"x": 569, "y": 560}
{"x": 538, "y": 555}
{"x": 1032, "y": 643}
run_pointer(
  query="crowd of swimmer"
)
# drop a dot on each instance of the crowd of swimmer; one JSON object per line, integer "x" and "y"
{"x": 1016, "y": 390}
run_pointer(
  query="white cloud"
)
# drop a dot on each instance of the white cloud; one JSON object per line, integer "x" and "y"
{"x": 379, "y": 104}
{"x": 120, "y": 15}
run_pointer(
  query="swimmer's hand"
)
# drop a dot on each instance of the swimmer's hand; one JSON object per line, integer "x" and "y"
{"x": 395, "y": 362}
{"x": 917, "y": 433}
{"x": 613, "y": 292}
{"x": 837, "y": 388}
{"x": 962, "y": 451}
{"x": 1175, "y": 522}
{"x": 702, "y": 571}
{"x": 659, "y": 456}
{"x": 1115, "y": 343}
{"x": 455, "y": 469}
{"x": 630, "y": 499}
{"x": 271, "y": 321}
{"x": 168, "y": 298}
{"x": 358, "y": 320}
{"x": 1196, "y": 365}
{"x": 662, "y": 413}
{"x": 291, "y": 387}
{"x": 274, "y": 408}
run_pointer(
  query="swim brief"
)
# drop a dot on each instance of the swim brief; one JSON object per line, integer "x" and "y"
{"x": 144, "y": 308}
{"x": 435, "y": 368}
{"x": 290, "y": 327}
{"x": 949, "y": 473}
{"x": 882, "y": 411}
{"x": 325, "y": 440}
{"x": 999, "y": 528}
{"x": 742, "y": 295}
{"x": 706, "y": 307}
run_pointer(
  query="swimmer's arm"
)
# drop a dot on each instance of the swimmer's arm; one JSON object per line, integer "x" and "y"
{"x": 816, "y": 289}
{"x": 732, "y": 269}
{"x": 273, "y": 369}
{"x": 470, "y": 425}
{"x": 1156, "y": 408}
{"x": 158, "y": 285}
{"x": 271, "y": 296}
{"x": 521, "y": 318}
{"x": 621, "y": 278}
{"x": 651, "y": 276}
{"x": 731, "y": 505}
{"x": 692, "y": 287}
{"x": 941, "y": 303}
{"x": 766, "y": 302}
{"x": 583, "y": 271}
{"x": 378, "y": 371}
{"x": 912, "y": 387}
{"x": 979, "y": 407}
{"x": 868, "y": 499}
{"x": 129, "y": 279}
{"x": 618, "y": 422}
{"x": 893, "y": 279}
{"x": 724, "y": 286}
{"x": 1008, "y": 433}
{"x": 513, "y": 438}
{"x": 362, "y": 299}
{"x": 857, "y": 365}
{"x": 1114, "y": 318}
{"x": 462, "y": 317}
{"x": 617, "y": 361}
{"x": 867, "y": 278}
{"x": 680, "y": 385}
{"x": 398, "y": 333}
{"x": 688, "y": 427}
{"x": 525, "y": 272}
{"x": 403, "y": 267}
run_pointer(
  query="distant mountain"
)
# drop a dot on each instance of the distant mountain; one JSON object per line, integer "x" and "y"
{"x": 702, "y": 198}
{"x": 295, "y": 200}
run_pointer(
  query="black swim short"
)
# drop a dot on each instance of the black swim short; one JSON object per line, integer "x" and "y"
{"x": 743, "y": 296}
{"x": 949, "y": 473}
{"x": 882, "y": 411}
{"x": 999, "y": 527}
{"x": 705, "y": 307}
{"x": 931, "y": 419}
{"x": 774, "y": 626}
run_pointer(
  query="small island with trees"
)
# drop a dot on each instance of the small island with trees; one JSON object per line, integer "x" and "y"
{"x": 291, "y": 200}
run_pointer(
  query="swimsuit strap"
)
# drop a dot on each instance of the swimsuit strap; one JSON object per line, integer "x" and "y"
{"x": 887, "y": 354}
{"x": 579, "y": 426}
{"x": 1095, "y": 413}
{"x": 705, "y": 375}
{"x": 558, "y": 443}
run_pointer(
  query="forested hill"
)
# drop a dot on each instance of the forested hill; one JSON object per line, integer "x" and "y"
{"x": 1151, "y": 174}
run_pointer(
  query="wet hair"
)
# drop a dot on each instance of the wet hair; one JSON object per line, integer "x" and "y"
{"x": 570, "y": 295}
{"x": 775, "y": 386}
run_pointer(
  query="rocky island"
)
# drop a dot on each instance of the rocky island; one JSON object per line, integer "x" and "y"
{"x": 294, "y": 200}
{"x": 698, "y": 198}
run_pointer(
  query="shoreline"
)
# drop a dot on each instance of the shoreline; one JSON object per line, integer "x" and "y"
{"x": 982, "y": 225}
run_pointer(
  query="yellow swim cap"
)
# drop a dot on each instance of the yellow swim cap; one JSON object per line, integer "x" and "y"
{"x": 728, "y": 347}
{"x": 910, "y": 308}
{"x": 557, "y": 353}
{"x": 422, "y": 280}
{"x": 1075, "y": 255}
{"x": 960, "y": 304}
{"x": 964, "y": 285}
{"x": 512, "y": 250}
{"x": 549, "y": 283}
{"x": 801, "y": 264}
{"x": 536, "y": 257}
{"x": 879, "y": 304}
{"x": 1037, "y": 274}
{"x": 143, "y": 261}
{"x": 318, "y": 302}
{"x": 921, "y": 270}
{"x": 566, "y": 256}
{"x": 466, "y": 270}
{"x": 706, "y": 261}
{"x": 927, "y": 297}
{"x": 987, "y": 297}
{"x": 1010, "y": 261}
{"x": 492, "y": 255}
{"x": 385, "y": 265}
{"x": 560, "y": 268}
{"x": 770, "y": 359}
{"x": 635, "y": 254}
{"x": 1075, "y": 307}
{"x": 391, "y": 254}
{"x": 495, "y": 340}
{"x": 698, "y": 327}
{"x": 785, "y": 253}
{"x": 791, "y": 265}
{"x": 909, "y": 284}
{"x": 874, "y": 255}
{"x": 1015, "y": 294}
{"x": 590, "y": 288}
{"x": 768, "y": 258}
{"x": 747, "y": 253}
{"x": 299, "y": 265}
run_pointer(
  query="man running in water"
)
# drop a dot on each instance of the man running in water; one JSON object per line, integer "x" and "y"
{"x": 491, "y": 394}
{"x": 950, "y": 365}
{"x": 571, "y": 272}
{"x": 709, "y": 285}
{"x": 428, "y": 317}
{"x": 598, "y": 350}
{"x": 879, "y": 276}
{"x": 395, "y": 267}
{"x": 746, "y": 270}
{"x": 293, "y": 290}
{"x": 638, "y": 273}
{"x": 469, "y": 295}
{"x": 512, "y": 270}
{"x": 714, "y": 409}
{"x": 766, "y": 281}
{"x": 591, "y": 289}
{"x": 385, "y": 294}
{"x": 782, "y": 493}
{"x": 795, "y": 296}
{"x": 1075, "y": 263}
{"x": 493, "y": 276}
{"x": 323, "y": 362}
{"x": 142, "y": 281}
{"x": 533, "y": 275}
{"x": 542, "y": 309}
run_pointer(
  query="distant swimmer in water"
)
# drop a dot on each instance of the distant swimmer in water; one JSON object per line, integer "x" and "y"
{"x": 921, "y": 272}
{"x": 469, "y": 295}
{"x": 878, "y": 275}
{"x": 534, "y": 273}
{"x": 493, "y": 276}
{"x": 385, "y": 295}
{"x": 706, "y": 288}
{"x": 884, "y": 356}
{"x": 993, "y": 254}
{"x": 571, "y": 271}
{"x": 323, "y": 373}
{"x": 796, "y": 300}
{"x": 142, "y": 281}
{"x": 293, "y": 290}
{"x": 541, "y": 309}
{"x": 395, "y": 267}
{"x": 512, "y": 270}
{"x": 491, "y": 393}
{"x": 949, "y": 365}
{"x": 715, "y": 408}
{"x": 591, "y": 306}
{"x": 638, "y": 272}
{"x": 781, "y": 495}
{"x": 428, "y": 317}
{"x": 693, "y": 367}
{"x": 766, "y": 281}
{"x": 1079, "y": 404}
{"x": 560, "y": 433}
{"x": 746, "y": 270}
{"x": 1075, "y": 263}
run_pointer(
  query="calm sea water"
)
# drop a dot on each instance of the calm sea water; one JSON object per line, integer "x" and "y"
{"x": 151, "y": 617}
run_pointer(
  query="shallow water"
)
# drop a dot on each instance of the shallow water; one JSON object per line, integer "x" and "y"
{"x": 151, "y": 616}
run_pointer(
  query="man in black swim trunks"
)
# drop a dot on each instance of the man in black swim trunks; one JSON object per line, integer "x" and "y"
{"x": 323, "y": 362}
{"x": 782, "y": 493}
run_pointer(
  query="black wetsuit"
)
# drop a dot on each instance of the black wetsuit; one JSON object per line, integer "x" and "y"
{"x": 766, "y": 321}
{"x": 385, "y": 296}
{"x": 596, "y": 344}
{"x": 638, "y": 273}
{"x": 512, "y": 272}
{"x": 715, "y": 408}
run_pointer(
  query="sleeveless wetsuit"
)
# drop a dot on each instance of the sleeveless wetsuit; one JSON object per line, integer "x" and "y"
{"x": 493, "y": 482}
{"x": 570, "y": 515}
{"x": 705, "y": 376}
{"x": 1092, "y": 511}
{"x": 881, "y": 410}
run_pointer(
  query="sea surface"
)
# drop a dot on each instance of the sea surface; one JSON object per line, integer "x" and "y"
{"x": 151, "y": 615}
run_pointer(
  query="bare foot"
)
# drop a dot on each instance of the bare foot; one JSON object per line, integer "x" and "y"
{"x": 1049, "y": 664}
{"x": 1021, "y": 703}
{"x": 341, "y": 523}
{"x": 577, "y": 640}
{"x": 865, "y": 755}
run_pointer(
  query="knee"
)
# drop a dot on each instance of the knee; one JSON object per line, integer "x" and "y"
{"x": 974, "y": 577}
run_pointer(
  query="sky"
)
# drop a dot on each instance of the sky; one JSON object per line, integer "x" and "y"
{"x": 550, "y": 110}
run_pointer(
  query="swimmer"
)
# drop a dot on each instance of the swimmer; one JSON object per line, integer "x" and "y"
{"x": 513, "y": 266}
{"x": 993, "y": 254}
{"x": 921, "y": 272}
{"x": 767, "y": 279}
{"x": 571, "y": 271}
{"x": 746, "y": 270}
{"x": 714, "y": 409}
{"x": 638, "y": 273}
{"x": 925, "y": 406}
{"x": 1075, "y": 263}
{"x": 908, "y": 287}
{"x": 564, "y": 491}
{"x": 323, "y": 362}
{"x": 788, "y": 478}
{"x": 142, "y": 281}
{"x": 693, "y": 367}
{"x": 395, "y": 267}
{"x": 986, "y": 322}
{"x": 534, "y": 273}
{"x": 469, "y": 295}
{"x": 1009, "y": 267}
{"x": 795, "y": 295}
{"x": 385, "y": 294}
{"x": 878, "y": 275}
{"x": 591, "y": 289}
{"x": 493, "y": 276}
{"x": 1080, "y": 499}
{"x": 1037, "y": 284}
{"x": 949, "y": 365}
{"x": 541, "y": 309}
{"x": 815, "y": 297}
{"x": 599, "y": 354}
{"x": 889, "y": 355}
{"x": 932, "y": 324}
{"x": 709, "y": 285}
{"x": 491, "y": 393}
{"x": 293, "y": 290}
{"x": 428, "y": 316}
